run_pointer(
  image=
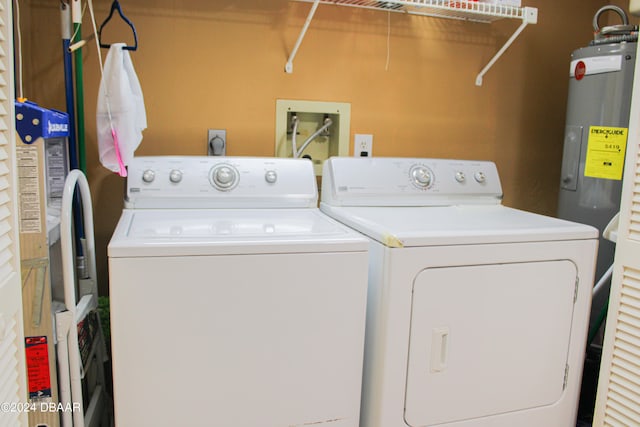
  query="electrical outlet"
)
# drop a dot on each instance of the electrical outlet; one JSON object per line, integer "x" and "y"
{"x": 216, "y": 142}
{"x": 363, "y": 145}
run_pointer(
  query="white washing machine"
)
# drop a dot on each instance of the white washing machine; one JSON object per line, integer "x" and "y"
{"x": 234, "y": 300}
{"x": 477, "y": 313}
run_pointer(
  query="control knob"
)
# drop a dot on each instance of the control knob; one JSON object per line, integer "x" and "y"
{"x": 175, "y": 176}
{"x": 223, "y": 177}
{"x": 480, "y": 177}
{"x": 271, "y": 176}
{"x": 148, "y": 176}
{"x": 421, "y": 176}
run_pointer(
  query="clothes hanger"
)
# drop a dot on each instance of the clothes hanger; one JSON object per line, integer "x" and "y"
{"x": 116, "y": 6}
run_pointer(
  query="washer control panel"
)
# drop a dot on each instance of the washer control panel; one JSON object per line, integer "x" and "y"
{"x": 381, "y": 181}
{"x": 203, "y": 181}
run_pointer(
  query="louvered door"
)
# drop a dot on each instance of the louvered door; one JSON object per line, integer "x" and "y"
{"x": 618, "y": 399}
{"x": 12, "y": 370}
{"x": 12, "y": 365}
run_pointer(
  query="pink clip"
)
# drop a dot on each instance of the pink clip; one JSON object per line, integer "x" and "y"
{"x": 123, "y": 169}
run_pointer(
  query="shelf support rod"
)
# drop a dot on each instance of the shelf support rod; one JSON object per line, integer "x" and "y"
{"x": 530, "y": 16}
{"x": 289, "y": 66}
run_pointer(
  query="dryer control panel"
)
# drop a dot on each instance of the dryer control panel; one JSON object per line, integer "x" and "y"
{"x": 383, "y": 181}
{"x": 175, "y": 182}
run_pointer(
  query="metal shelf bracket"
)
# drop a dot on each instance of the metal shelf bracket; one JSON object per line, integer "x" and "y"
{"x": 530, "y": 16}
{"x": 289, "y": 65}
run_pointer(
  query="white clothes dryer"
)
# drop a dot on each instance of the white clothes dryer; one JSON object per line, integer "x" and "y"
{"x": 477, "y": 313}
{"x": 234, "y": 300}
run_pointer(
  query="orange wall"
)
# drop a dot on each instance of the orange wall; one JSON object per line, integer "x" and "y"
{"x": 205, "y": 64}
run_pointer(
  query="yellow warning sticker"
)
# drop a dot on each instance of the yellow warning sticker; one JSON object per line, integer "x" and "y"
{"x": 605, "y": 152}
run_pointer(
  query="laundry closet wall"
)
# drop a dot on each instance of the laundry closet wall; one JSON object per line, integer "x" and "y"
{"x": 220, "y": 64}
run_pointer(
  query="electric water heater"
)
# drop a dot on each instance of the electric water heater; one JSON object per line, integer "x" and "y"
{"x": 599, "y": 100}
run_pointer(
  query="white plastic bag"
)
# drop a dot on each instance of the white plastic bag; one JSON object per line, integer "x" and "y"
{"x": 120, "y": 114}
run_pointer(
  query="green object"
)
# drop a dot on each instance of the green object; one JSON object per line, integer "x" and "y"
{"x": 596, "y": 326}
{"x": 105, "y": 320}
{"x": 82, "y": 158}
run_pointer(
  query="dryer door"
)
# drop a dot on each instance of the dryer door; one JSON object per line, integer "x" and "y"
{"x": 488, "y": 339}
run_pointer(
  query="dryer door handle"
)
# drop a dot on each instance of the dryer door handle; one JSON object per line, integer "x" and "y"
{"x": 439, "y": 349}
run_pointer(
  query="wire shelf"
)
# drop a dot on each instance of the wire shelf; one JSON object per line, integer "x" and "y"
{"x": 467, "y": 10}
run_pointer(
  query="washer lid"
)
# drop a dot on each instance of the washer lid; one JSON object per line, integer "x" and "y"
{"x": 179, "y": 232}
{"x": 456, "y": 225}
